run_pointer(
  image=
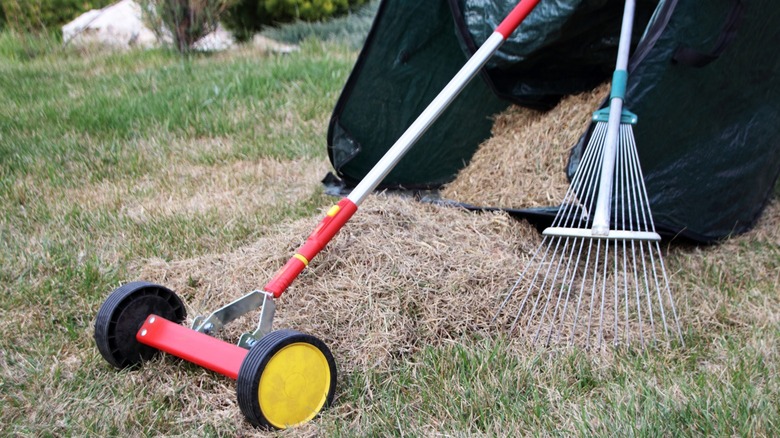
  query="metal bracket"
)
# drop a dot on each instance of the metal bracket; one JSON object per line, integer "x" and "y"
{"x": 626, "y": 116}
{"x": 247, "y": 340}
{"x": 251, "y": 301}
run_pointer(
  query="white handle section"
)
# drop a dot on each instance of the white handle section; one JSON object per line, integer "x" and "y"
{"x": 601, "y": 214}
{"x": 426, "y": 119}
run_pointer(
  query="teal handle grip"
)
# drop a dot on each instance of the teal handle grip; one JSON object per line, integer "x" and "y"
{"x": 619, "y": 81}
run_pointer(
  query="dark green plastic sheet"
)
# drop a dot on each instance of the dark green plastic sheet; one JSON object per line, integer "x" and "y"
{"x": 704, "y": 80}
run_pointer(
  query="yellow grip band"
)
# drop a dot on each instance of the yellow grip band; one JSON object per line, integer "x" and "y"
{"x": 302, "y": 259}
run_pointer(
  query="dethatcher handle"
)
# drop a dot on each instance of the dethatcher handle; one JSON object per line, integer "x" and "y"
{"x": 432, "y": 112}
{"x": 336, "y": 217}
{"x": 339, "y": 214}
{"x": 518, "y": 14}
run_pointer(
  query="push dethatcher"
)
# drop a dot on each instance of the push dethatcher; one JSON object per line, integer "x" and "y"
{"x": 284, "y": 378}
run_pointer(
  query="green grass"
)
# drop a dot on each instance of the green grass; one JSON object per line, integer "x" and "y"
{"x": 84, "y": 125}
{"x": 89, "y": 142}
{"x": 350, "y": 30}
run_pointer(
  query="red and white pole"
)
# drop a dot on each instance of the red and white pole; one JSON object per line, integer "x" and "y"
{"x": 340, "y": 213}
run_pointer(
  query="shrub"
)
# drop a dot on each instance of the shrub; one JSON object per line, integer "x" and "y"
{"x": 186, "y": 20}
{"x": 38, "y": 15}
{"x": 249, "y": 16}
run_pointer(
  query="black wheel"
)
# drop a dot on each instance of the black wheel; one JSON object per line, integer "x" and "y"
{"x": 124, "y": 312}
{"x": 286, "y": 379}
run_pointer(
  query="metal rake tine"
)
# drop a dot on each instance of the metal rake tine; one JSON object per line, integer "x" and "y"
{"x": 533, "y": 282}
{"x": 669, "y": 293}
{"x": 582, "y": 290}
{"x": 658, "y": 291}
{"x": 603, "y": 292}
{"x": 579, "y": 244}
{"x": 640, "y": 176}
{"x": 517, "y": 283}
{"x": 593, "y": 294}
{"x": 623, "y": 200}
{"x": 634, "y": 215}
{"x": 544, "y": 282}
{"x": 563, "y": 284}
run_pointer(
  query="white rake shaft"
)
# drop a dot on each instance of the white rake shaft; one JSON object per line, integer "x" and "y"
{"x": 601, "y": 215}
{"x": 599, "y": 273}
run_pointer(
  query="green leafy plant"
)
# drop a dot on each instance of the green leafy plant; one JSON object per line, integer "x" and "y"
{"x": 186, "y": 21}
{"x": 246, "y": 17}
{"x": 39, "y": 15}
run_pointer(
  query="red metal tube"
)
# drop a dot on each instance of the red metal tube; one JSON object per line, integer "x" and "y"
{"x": 334, "y": 220}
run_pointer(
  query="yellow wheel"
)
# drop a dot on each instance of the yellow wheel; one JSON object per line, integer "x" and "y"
{"x": 286, "y": 379}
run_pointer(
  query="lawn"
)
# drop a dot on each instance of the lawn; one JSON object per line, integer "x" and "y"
{"x": 203, "y": 173}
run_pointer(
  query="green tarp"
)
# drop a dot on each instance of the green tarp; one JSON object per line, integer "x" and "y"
{"x": 703, "y": 80}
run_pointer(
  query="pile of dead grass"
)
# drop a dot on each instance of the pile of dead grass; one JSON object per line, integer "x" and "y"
{"x": 400, "y": 275}
{"x": 522, "y": 164}
{"x": 404, "y": 274}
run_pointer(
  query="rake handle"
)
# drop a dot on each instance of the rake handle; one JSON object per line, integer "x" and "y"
{"x": 518, "y": 14}
{"x": 601, "y": 225}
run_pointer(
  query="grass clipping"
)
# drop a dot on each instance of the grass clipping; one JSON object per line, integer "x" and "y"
{"x": 522, "y": 164}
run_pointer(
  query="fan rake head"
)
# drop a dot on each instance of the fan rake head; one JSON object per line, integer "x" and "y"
{"x": 587, "y": 287}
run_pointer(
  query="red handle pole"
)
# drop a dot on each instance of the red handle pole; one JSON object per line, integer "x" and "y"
{"x": 515, "y": 17}
{"x": 334, "y": 220}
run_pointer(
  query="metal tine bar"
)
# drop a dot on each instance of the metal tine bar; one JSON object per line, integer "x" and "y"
{"x": 552, "y": 290}
{"x": 617, "y": 188}
{"x": 519, "y": 280}
{"x": 625, "y": 208}
{"x": 657, "y": 247}
{"x": 556, "y": 255}
{"x": 638, "y": 171}
{"x": 603, "y": 292}
{"x": 567, "y": 214}
{"x": 669, "y": 294}
{"x": 593, "y": 169}
{"x": 531, "y": 285}
{"x": 591, "y": 158}
{"x": 632, "y": 212}
{"x": 582, "y": 290}
{"x": 579, "y": 243}
{"x": 590, "y": 198}
{"x": 639, "y": 211}
{"x": 584, "y": 176}
{"x": 589, "y": 167}
{"x": 564, "y": 213}
{"x": 593, "y": 293}
{"x": 566, "y": 284}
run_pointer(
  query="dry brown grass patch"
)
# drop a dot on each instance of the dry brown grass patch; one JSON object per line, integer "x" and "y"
{"x": 196, "y": 189}
{"x": 399, "y": 276}
{"x": 522, "y": 165}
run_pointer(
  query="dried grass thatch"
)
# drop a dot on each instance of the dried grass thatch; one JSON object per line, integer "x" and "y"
{"x": 400, "y": 276}
{"x": 522, "y": 165}
{"x": 404, "y": 274}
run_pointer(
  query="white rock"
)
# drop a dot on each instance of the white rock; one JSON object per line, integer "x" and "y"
{"x": 220, "y": 39}
{"x": 268, "y": 45}
{"x": 119, "y": 25}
